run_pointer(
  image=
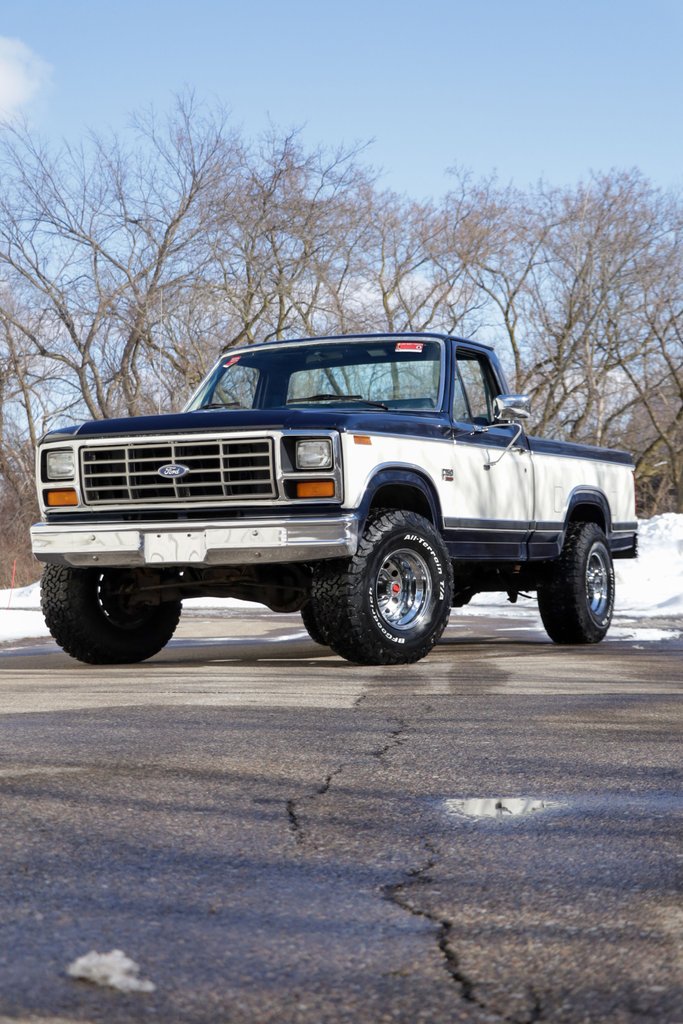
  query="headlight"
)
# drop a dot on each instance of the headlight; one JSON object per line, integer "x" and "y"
{"x": 59, "y": 465}
{"x": 314, "y": 454}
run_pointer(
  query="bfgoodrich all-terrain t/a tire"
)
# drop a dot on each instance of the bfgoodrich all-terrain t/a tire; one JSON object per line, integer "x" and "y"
{"x": 576, "y": 600}
{"x": 390, "y": 602}
{"x": 311, "y": 624}
{"x": 87, "y": 612}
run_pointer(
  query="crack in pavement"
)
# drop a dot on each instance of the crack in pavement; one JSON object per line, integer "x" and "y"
{"x": 294, "y": 823}
{"x": 292, "y": 806}
{"x": 397, "y": 738}
{"x": 322, "y": 789}
{"x": 397, "y": 894}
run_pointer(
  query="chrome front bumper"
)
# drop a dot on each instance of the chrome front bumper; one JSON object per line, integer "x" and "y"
{"x": 245, "y": 542}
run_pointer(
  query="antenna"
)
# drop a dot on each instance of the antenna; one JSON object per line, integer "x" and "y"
{"x": 158, "y": 367}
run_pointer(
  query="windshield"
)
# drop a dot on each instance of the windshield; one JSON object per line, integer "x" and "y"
{"x": 382, "y": 374}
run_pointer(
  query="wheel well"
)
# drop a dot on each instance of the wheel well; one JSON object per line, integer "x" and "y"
{"x": 588, "y": 513}
{"x": 402, "y": 496}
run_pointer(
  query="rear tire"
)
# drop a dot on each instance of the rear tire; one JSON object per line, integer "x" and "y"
{"x": 390, "y": 602}
{"x": 576, "y": 601}
{"x": 87, "y": 613}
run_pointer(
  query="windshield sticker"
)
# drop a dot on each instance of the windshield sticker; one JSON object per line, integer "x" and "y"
{"x": 231, "y": 362}
{"x": 409, "y": 346}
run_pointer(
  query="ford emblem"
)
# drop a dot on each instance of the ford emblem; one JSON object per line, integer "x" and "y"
{"x": 173, "y": 470}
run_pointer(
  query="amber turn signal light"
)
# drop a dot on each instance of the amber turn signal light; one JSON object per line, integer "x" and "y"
{"x": 315, "y": 489}
{"x": 57, "y": 499}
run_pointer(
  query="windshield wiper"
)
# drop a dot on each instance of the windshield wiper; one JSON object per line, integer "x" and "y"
{"x": 222, "y": 405}
{"x": 337, "y": 398}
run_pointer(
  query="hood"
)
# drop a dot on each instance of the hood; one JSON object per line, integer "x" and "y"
{"x": 228, "y": 420}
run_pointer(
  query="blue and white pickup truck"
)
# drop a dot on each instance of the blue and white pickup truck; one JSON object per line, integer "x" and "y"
{"x": 370, "y": 482}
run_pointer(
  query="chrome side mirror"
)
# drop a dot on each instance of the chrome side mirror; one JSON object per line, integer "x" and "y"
{"x": 510, "y": 408}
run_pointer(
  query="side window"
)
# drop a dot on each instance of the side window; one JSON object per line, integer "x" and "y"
{"x": 461, "y": 410}
{"x": 473, "y": 400}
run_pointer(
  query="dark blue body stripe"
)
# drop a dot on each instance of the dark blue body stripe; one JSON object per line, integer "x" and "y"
{"x": 571, "y": 450}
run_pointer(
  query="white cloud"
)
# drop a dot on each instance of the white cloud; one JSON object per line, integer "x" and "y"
{"x": 22, "y": 75}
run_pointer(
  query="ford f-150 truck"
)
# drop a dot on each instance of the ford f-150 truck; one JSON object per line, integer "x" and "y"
{"x": 371, "y": 482}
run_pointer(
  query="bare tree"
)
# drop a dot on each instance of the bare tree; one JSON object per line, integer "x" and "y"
{"x": 285, "y": 255}
{"x": 95, "y": 239}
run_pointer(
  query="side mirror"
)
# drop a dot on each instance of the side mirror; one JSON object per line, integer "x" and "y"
{"x": 509, "y": 408}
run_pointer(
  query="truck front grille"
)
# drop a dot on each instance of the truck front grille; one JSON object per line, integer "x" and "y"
{"x": 232, "y": 470}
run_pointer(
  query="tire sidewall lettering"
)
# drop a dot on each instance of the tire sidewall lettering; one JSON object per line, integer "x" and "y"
{"x": 416, "y": 539}
{"x": 379, "y": 622}
{"x": 435, "y": 566}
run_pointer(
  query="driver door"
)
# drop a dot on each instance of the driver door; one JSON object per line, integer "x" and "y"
{"x": 492, "y": 508}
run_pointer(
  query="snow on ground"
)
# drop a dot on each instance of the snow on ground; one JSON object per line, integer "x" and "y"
{"x": 111, "y": 970}
{"x": 20, "y": 614}
{"x": 648, "y": 587}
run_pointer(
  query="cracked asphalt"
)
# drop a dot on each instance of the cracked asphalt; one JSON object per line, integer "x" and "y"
{"x": 264, "y": 829}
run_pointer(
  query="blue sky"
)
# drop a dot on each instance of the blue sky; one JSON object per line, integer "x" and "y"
{"x": 530, "y": 89}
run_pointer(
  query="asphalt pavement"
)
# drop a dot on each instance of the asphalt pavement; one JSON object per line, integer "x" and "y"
{"x": 275, "y": 835}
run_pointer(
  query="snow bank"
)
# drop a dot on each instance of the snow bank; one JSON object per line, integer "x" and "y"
{"x": 652, "y": 584}
{"x": 15, "y": 625}
{"x": 20, "y": 614}
{"x": 647, "y": 587}
{"x": 23, "y": 598}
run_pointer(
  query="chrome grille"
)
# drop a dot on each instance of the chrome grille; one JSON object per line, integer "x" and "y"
{"x": 231, "y": 470}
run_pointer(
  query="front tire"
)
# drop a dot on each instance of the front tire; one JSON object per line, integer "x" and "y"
{"x": 89, "y": 614}
{"x": 390, "y": 602}
{"x": 576, "y": 601}
{"x": 311, "y": 624}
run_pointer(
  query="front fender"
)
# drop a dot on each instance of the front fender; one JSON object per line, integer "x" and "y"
{"x": 401, "y": 476}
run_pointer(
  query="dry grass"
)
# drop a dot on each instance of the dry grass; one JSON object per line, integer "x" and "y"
{"x": 16, "y": 557}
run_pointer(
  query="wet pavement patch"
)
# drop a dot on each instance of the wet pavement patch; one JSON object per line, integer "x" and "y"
{"x": 498, "y": 808}
{"x": 602, "y": 805}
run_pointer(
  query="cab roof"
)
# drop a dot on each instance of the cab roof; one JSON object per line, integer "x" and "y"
{"x": 374, "y": 336}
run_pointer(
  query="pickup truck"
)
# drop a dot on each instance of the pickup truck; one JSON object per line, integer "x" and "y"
{"x": 371, "y": 483}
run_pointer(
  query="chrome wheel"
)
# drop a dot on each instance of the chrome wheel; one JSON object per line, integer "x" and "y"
{"x": 597, "y": 583}
{"x": 403, "y": 589}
